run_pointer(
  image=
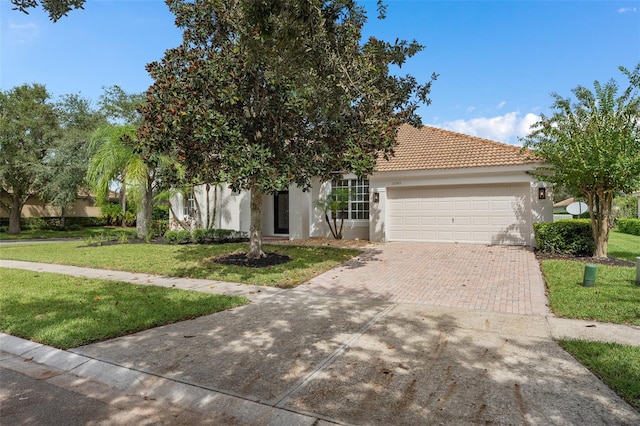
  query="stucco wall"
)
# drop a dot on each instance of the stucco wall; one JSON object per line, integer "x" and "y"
{"x": 34, "y": 207}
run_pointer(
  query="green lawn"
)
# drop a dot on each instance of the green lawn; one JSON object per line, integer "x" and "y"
{"x": 614, "y": 298}
{"x": 186, "y": 260}
{"x": 81, "y": 233}
{"x": 66, "y": 312}
{"x": 618, "y": 366}
{"x": 623, "y": 246}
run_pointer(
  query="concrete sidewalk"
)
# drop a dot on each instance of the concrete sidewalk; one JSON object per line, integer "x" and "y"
{"x": 295, "y": 357}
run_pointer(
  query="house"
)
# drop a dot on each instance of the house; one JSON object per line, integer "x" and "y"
{"x": 637, "y": 195}
{"x": 84, "y": 206}
{"x": 561, "y": 206}
{"x": 440, "y": 186}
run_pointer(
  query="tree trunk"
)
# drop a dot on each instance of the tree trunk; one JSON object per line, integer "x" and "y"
{"x": 123, "y": 203}
{"x": 14, "y": 214}
{"x": 215, "y": 207}
{"x": 207, "y": 219}
{"x": 255, "y": 229}
{"x": 145, "y": 213}
{"x": 62, "y": 218}
{"x": 600, "y": 204}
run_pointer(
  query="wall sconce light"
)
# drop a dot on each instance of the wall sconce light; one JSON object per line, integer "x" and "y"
{"x": 542, "y": 193}
{"x": 376, "y": 197}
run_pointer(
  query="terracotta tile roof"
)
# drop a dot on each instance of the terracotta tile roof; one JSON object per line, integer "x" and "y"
{"x": 430, "y": 148}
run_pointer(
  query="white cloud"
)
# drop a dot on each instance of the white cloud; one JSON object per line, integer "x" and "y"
{"x": 22, "y": 33}
{"x": 471, "y": 108}
{"x": 627, "y": 10}
{"x": 501, "y": 104}
{"x": 504, "y": 128}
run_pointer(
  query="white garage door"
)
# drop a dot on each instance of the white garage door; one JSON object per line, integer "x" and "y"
{"x": 496, "y": 214}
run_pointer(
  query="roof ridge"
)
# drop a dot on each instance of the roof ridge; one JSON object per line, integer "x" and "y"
{"x": 430, "y": 148}
{"x": 478, "y": 138}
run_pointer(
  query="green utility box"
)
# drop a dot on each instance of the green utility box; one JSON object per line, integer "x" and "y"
{"x": 589, "y": 275}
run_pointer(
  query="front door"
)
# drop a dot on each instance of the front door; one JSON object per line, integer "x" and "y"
{"x": 281, "y": 212}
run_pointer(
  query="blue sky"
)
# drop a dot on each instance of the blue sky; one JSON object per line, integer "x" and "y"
{"x": 498, "y": 60}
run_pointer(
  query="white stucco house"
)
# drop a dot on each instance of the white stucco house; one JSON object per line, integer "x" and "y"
{"x": 440, "y": 186}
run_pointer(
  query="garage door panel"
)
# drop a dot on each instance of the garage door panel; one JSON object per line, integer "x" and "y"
{"x": 463, "y": 205}
{"x": 427, "y": 220}
{"x": 480, "y": 220}
{"x": 445, "y": 206}
{"x": 443, "y": 220}
{"x": 428, "y": 206}
{"x": 462, "y": 221}
{"x": 411, "y": 220}
{"x": 478, "y": 214}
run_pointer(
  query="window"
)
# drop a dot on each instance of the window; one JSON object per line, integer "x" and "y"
{"x": 358, "y": 205}
{"x": 188, "y": 206}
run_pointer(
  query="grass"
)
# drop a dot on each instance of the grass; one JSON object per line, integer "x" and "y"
{"x": 186, "y": 260}
{"x": 624, "y": 246}
{"x": 616, "y": 365}
{"x": 66, "y": 312}
{"x": 614, "y": 298}
{"x": 81, "y": 233}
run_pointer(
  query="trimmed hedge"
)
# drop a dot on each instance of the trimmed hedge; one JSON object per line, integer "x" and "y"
{"x": 629, "y": 226}
{"x": 205, "y": 236}
{"x": 54, "y": 223}
{"x": 565, "y": 236}
{"x": 178, "y": 237}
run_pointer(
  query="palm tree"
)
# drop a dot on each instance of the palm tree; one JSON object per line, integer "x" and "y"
{"x": 114, "y": 160}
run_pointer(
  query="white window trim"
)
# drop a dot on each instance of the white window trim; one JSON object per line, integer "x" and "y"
{"x": 353, "y": 178}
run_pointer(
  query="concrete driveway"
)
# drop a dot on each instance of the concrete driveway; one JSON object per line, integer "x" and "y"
{"x": 503, "y": 279}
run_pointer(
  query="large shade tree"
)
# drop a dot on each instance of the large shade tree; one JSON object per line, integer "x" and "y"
{"x": 70, "y": 156}
{"x": 28, "y": 131}
{"x": 591, "y": 145}
{"x": 264, "y": 94}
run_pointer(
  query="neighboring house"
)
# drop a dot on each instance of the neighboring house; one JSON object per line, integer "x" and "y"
{"x": 84, "y": 206}
{"x": 560, "y": 209}
{"x": 637, "y": 195}
{"x": 440, "y": 186}
{"x": 561, "y": 206}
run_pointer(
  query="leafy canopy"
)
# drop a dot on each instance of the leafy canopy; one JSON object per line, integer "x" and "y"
{"x": 593, "y": 142}
{"x": 264, "y": 94}
{"x": 592, "y": 147}
{"x": 55, "y": 8}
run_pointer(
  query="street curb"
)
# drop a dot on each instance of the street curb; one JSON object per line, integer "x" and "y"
{"x": 148, "y": 386}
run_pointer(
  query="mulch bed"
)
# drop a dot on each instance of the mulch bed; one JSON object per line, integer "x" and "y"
{"x": 585, "y": 259}
{"x": 240, "y": 259}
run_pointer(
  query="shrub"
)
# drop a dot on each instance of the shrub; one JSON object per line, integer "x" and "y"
{"x": 177, "y": 237}
{"x": 123, "y": 237}
{"x": 33, "y": 224}
{"x": 221, "y": 236}
{"x": 565, "y": 236}
{"x": 170, "y": 236}
{"x": 629, "y": 226}
{"x": 159, "y": 227}
{"x": 205, "y": 236}
{"x": 198, "y": 236}
{"x": 160, "y": 213}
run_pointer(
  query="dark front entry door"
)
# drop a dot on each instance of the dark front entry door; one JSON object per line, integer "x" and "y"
{"x": 281, "y": 212}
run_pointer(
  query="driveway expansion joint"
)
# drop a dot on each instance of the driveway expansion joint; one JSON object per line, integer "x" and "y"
{"x": 286, "y": 395}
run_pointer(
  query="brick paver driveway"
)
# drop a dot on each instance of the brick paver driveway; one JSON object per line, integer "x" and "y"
{"x": 494, "y": 278}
